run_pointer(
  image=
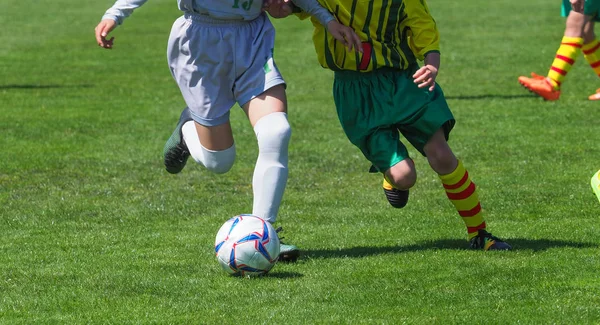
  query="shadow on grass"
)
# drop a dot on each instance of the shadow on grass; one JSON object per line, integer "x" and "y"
{"x": 449, "y": 244}
{"x": 29, "y": 86}
{"x": 284, "y": 275}
{"x": 491, "y": 96}
{"x": 272, "y": 274}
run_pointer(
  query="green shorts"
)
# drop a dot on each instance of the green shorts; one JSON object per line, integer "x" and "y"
{"x": 591, "y": 8}
{"x": 374, "y": 106}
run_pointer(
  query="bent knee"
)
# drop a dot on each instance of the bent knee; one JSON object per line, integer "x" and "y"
{"x": 403, "y": 175}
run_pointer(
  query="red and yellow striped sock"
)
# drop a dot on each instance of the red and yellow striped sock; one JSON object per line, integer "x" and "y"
{"x": 463, "y": 194}
{"x": 592, "y": 55}
{"x": 565, "y": 58}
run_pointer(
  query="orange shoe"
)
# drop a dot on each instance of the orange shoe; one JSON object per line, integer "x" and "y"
{"x": 537, "y": 76}
{"x": 526, "y": 80}
{"x": 541, "y": 87}
{"x": 595, "y": 96}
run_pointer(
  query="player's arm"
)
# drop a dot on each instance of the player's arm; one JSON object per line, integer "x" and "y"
{"x": 112, "y": 17}
{"x": 303, "y": 8}
{"x": 313, "y": 8}
{"x": 425, "y": 76}
{"x": 424, "y": 35}
{"x": 424, "y": 42}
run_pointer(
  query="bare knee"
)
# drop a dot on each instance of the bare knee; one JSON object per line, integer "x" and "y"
{"x": 402, "y": 175}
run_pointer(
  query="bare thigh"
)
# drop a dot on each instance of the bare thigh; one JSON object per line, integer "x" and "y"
{"x": 271, "y": 101}
{"x": 220, "y": 137}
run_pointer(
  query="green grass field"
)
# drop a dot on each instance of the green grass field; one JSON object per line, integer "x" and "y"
{"x": 94, "y": 231}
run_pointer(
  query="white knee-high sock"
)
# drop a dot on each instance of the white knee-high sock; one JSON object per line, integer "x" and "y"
{"x": 218, "y": 162}
{"x": 271, "y": 171}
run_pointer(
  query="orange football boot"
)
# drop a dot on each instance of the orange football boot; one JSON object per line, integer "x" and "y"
{"x": 537, "y": 76}
{"x": 526, "y": 80}
{"x": 540, "y": 86}
{"x": 595, "y": 96}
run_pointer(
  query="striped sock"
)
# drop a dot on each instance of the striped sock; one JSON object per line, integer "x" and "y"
{"x": 565, "y": 58}
{"x": 592, "y": 55}
{"x": 462, "y": 192}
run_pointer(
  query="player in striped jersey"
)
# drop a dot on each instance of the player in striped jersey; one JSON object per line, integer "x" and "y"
{"x": 578, "y": 37}
{"x": 383, "y": 92}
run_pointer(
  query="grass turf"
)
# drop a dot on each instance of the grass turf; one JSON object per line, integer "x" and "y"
{"x": 93, "y": 230}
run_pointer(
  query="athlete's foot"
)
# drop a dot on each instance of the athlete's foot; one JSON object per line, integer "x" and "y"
{"x": 287, "y": 253}
{"x": 526, "y": 80}
{"x": 537, "y": 76}
{"x": 595, "y": 96}
{"x": 396, "y": 197}
{"x": 176, "y": 152}
{"x": 540, "y": 86}
{"x": 485, "y": 241}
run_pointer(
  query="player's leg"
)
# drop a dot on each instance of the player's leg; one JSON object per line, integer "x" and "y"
{"x": 564, "y": 59}
{"x": 260, "y": 91}
{"x": 369, "y": 125}
{"x": 429, "y": 134}
{"x": 398, "y": 180}
{"x": 569, "y": 49}
{"x": 267, "y": 115}
{"x": 203, "y": 130}
{"x": 216, "y": 151}
{"x": 459, "y": 188}
{"x": 383, "y": 148}
{"x": 461, "y": 191}
{"x": 591, "y": 45}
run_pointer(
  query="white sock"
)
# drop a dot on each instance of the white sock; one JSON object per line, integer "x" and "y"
{"x": 218, "y": 162}
{"x": 271, "y": 171}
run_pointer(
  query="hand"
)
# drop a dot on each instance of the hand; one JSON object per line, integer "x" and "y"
{"x": 345, "y": 35}
{"x": 425, "y": 77}
{"x": 577, "y": 5}
{"x": 278, "y": 8}
{"x": 102, "y": 30}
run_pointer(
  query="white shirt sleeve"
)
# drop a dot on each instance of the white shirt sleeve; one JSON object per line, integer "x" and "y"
{"x": 122, "y": 9}
{"x": 313, "y": 8}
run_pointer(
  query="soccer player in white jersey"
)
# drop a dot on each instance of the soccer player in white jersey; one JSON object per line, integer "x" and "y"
{"x": 220, "y": 52}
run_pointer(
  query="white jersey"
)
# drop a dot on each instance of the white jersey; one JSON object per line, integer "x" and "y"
{"x": 219, "y": 9}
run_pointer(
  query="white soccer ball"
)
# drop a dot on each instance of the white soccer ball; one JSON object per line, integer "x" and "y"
{"x": 247, "y": 245}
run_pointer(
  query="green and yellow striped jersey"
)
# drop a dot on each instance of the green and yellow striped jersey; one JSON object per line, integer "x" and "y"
{"x": 395, "y": 33}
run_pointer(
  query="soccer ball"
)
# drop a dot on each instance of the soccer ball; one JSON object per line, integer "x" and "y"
{"x": 247, "y": 245}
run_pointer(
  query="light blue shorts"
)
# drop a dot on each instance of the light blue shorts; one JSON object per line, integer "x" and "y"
{"x": 217, "y": 63}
